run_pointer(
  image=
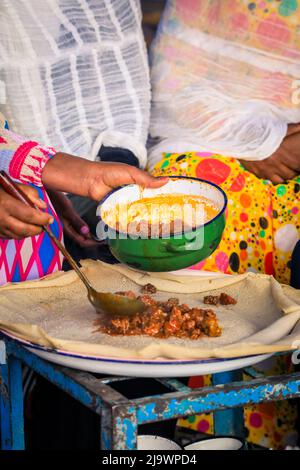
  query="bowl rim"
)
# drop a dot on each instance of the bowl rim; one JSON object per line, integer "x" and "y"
{"x": 173, "y": 177}
{"x": 148, "y": 437}
{"x": 217, "y": 438}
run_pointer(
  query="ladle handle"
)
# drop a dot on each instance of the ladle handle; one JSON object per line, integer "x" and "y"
{"x": 15, "y": 191}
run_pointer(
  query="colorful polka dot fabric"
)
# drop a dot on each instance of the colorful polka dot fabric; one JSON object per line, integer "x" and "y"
{"x": 262, "y": 228}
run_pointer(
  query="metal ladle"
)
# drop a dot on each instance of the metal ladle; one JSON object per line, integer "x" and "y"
{"x": 112, "y": 304}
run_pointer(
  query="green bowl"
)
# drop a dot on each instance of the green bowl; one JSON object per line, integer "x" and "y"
{"x": 176, "y": 251}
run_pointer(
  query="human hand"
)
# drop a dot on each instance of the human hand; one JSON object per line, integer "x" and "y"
{"x": 93, "y": 179}
{"x": 74, "y": 226}
{"x": 17, "y": 220}
{"x": 112, "y": 175}
{"x": 284, "y": 164}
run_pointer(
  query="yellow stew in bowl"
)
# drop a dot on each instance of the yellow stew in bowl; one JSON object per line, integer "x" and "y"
{"x": 173, "y": 212}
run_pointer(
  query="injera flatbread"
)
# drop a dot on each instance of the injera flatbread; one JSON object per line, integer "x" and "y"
{"x": 54, "y": 312}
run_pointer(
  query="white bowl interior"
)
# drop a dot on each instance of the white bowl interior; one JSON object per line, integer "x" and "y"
{"x": 217, "y": 443}
{"x": 145, "y": 442}
{"x": 190, "y": 187}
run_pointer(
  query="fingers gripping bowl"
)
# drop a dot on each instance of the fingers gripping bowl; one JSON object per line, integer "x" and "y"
{"x": 189, "y": 230}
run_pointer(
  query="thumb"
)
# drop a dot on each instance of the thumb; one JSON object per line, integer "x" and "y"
{"x": 143, "y": 178}
{"x": 293, "y": 129}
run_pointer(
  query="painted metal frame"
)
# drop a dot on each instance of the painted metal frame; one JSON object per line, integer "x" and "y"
{"x": 120, "y": 417}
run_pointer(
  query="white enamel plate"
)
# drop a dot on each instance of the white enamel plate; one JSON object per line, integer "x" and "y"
{"x": 141, "y": 368}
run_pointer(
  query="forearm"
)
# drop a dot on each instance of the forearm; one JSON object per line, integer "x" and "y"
{"x": 93, "y": 179}
{"x": 67, "y": 173}
{"x": 284, "y": 164}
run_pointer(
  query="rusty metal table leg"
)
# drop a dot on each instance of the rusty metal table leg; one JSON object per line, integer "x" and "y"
{"x": 11, "y": 402}
{"x": 119, "y": 427}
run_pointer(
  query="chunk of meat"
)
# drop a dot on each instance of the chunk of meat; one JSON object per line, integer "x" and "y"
{"x": 147, "y": 299}
{"x": 163, "y": 319}
{"x": 222, "y": 299}
{"x": 211, "y": 300}
{"x": 226, "y": 299}
{"x": 148, "y": 289}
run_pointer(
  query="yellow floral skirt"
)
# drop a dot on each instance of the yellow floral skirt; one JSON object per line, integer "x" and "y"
{"x": 262, "y": 228}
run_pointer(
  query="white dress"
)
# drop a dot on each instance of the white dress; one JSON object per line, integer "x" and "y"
{"x": 220, "y": 83}
{"x": 74, "y": 73}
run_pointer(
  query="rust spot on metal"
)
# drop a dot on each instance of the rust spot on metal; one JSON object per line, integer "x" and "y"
{"x": 4, "y": 390}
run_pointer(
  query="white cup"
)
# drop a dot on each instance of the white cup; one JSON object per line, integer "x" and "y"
{"x": 216, "y": 443}
{"x": 147, "y": 442}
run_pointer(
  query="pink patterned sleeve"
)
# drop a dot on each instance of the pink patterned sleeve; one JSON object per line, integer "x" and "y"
{"x": 22, "y": 159}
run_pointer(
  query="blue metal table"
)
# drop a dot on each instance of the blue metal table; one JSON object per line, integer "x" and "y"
{"x": 120, "y": 417}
